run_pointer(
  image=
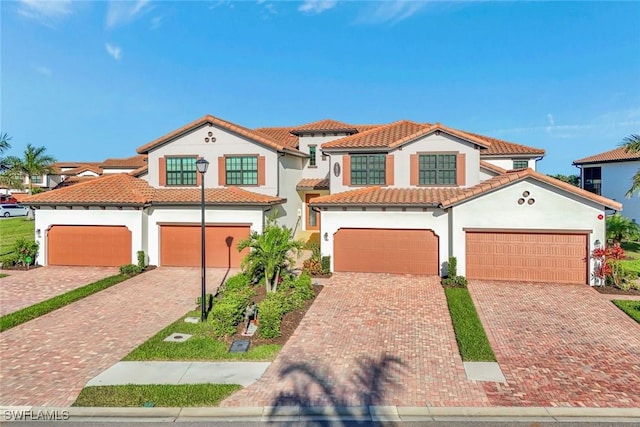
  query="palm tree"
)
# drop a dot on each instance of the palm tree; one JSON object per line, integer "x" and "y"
{"x": 631, "y": 144}
{"x": 35, "y": 162}
{"x": 621, "y": 228}
{"x": 4, "y": 142}
{"x": 270, "y": 252}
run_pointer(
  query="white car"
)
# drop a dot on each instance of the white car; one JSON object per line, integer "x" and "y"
{"x": 13, "y": 210}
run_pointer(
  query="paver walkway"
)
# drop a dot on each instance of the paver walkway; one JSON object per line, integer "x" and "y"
{"x": 369, "y": 339}
{"x": 559, "y": 345}
{"x": 24, "y": 288}
{"x": 48, "y": 360}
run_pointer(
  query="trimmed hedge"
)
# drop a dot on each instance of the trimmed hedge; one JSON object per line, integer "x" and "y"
{"x": 291, "y": 295}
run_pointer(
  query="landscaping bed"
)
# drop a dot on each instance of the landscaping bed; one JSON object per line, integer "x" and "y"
{"x": 616, "y": 291}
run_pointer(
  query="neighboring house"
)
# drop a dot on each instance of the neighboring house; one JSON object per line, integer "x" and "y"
{"x": 397, "y": 198}
{"x": 610, "y": 174}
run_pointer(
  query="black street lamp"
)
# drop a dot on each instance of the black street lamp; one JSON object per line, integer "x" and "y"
{"x": 202, "y": 165}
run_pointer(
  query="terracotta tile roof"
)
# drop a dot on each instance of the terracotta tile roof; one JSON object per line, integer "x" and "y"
{"x": 327, "y": 125}
{"x": 20, "y": 196}
{"x": 222, "y": 196}
{"x": 313, "y": 184}
{"x": 209, "y": 119}
{"x": 384, "y": 196}
{"x": 511, "y": 176}
{"x": 116, "y": 189}
{"x": 379, "y": 137}
{"x": 58, "y": 166}
{"x": 500, "y": 147}
{"x": 282, "y": 135}
{"x": 140, "y": 171}
{"x": 125, "y": 190}
{"x": 72, "y": 180}
{"x": 616, "y": 155}
{"x": 493, "y": 168}
{"x": 132, "y": 162}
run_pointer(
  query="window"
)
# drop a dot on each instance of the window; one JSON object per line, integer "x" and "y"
{"x": 241, "y": 170}
{"x": 368, "y": 169}
{"x": 437, "y": 169}
{"x": 312, "y": 155}
{"x": 520, "y": 164}
{"x": 36, "y": 179}
{"x": 593, "y": 179}
{"x": 181, "y": 171}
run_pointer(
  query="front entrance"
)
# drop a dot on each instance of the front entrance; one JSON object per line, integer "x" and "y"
{"x": 313, "y": 217}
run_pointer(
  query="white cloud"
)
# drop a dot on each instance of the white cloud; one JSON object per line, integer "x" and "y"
{"x": 114, "y": 51}
{"x": 48, "y": 13}
{"x": 124, "y": 12}
{"x": 314, "y": 7}
{"x": 391, "y": 12}
{"x": 45, "y": 71}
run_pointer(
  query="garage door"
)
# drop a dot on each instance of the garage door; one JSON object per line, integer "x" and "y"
{"x": 93, "y": 245}
{"x": 536, "y": 257}
{"x": 180, "y": 245}
{"x": 386, "y": 251}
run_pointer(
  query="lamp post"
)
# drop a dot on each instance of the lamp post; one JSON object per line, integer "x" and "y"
{"x": 202, "y": 165}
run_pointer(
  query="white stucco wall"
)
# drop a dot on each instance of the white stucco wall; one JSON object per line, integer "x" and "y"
{"x": 507, "y": 162}
{"x": 121, "y": 170}
{"x": 290, "y": 174}
{"x": 499, "y": 211}
{"x": 177, "y": 215}
{"x": 616, "y": 181}
{"x": 433, "y": 219}
{"x": 47, "y": 217}
{"x": 322, "y": 165}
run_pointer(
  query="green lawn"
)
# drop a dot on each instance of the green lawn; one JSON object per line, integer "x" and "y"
{"x": 165, "y": 396}
{"x": 12, "y": 229}
{"x": 470, "y": 335}
{"x": 632, "y": 252}
{"x": 632, "y": 308}
{"x": 201, "y": 346}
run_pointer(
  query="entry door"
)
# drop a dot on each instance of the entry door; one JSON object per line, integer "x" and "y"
{"x": 313, "y": 217}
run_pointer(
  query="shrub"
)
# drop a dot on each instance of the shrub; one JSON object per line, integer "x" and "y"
{"x": 609, "y": 267}
{"x": 236, "y": 282}
{"x": 303, "y": 287}
{"x": 10, "y": 260}
{"x": 228, "y": 311}
{"x": 142, "y": 260}
{"x": 326, "y": 264}
{"x": 312, "y": 267}
{"x": 130, "y": 269}
{"x": 270, "y": 312}
{"x": 26, "y": 248}
{"x": 452, "y": 267}
{"x": 453, "y": 280}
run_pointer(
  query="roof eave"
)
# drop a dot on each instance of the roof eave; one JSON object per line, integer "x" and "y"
{"x": 92, "y": 204}
{"x": 375, "y": 205}
{"x": 597, "y": 162}
{"x": 198, "y": 203}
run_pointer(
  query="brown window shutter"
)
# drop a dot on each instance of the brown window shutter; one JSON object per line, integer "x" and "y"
{"x": 389, "y": 172}
{"x": 222, "y": 171}
{"x": 414, "y": 173}
{"x": 346, "y": 170}
{"x": 461, "y": 169}
{"x": 162, "y": 172}
{"x": 261, "y": 170}
{"x": 198, "y": 174}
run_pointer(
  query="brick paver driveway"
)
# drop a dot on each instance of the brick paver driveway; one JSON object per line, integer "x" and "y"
{"x": 559, "y": 345}
{"x": 24, "y": 288}
{"x": 370, "y": 339}
{"x": 48, "y": 360}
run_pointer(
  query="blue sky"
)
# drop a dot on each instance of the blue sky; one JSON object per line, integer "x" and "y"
{"x": 91, "y": 80}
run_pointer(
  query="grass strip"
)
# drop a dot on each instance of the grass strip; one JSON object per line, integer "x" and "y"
{"x": 12, "y": 229}
{"x": 2, "y": 275}
{"x": 201, "y": 346}
{"x": 632, "y": 308}
{"x": 16, "y": 318}
{"x": 470, "y": 335}
{"x": 165, "y": 396}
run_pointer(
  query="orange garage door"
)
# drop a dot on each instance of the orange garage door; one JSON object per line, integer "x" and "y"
{"x": 386, "y": 251}
{"x": 180, "y": 245}
{"x": 535, "y": 257}
{"x": 94, "y": 245}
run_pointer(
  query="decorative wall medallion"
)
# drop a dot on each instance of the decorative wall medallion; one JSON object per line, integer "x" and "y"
{"x": 525, "y": 197}
{"x": 336, "y": 169}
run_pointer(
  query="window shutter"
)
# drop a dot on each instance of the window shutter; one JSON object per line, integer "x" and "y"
{"x": 261, "y": 170}
{"x": 389, "y": 171}
{"x": 162, "y": 172}
{"x": 222, "y": 171}
{"x": 414, "y": 175}
{"x": 461, "y": 170}
{"x": 346, "y": 170}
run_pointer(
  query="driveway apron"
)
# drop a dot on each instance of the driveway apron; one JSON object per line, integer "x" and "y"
{"x": 24, "y": 288}
{"x": 48, "y": 360}
{"x": 369, "y": 339}
{"x": 559, "y": 345}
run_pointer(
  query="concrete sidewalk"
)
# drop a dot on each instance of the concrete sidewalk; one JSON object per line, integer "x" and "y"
{"x": 243, "y": 373}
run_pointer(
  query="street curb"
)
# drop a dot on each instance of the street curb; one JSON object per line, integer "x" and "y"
{"x": 355, "y": 413}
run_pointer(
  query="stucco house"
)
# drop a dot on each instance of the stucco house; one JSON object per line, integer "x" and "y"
{"x": 610, "y": 174}
{"x": 399, "y": 198}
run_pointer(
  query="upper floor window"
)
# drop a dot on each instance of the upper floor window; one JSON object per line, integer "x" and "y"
{"x": 593, "y": 179}
{"x": 241, "y": 170}
{"x": 520, "y": 164}
{"x": 36, "y": 179}
{"x": 312, "y": 155}
{"x": 368, "y": 169}
{"x": 437, "y": 169}
{"x": 181, "y": 171}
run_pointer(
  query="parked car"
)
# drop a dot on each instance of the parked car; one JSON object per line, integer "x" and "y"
{"x": 13, "y": 210}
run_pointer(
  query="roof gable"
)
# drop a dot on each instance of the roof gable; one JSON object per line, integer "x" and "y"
{"x": 619, "y": 154}
{"x": 326, "y": 125}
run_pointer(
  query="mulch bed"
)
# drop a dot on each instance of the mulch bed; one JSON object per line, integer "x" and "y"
{"x": 290, "y": 321}
{"x": 615, "y": 291}
{"x": 19, "y": 267}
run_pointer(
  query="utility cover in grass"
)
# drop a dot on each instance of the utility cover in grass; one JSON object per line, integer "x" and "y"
{"x": 177, "y": 337}
{"x": 239, "y": 346}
